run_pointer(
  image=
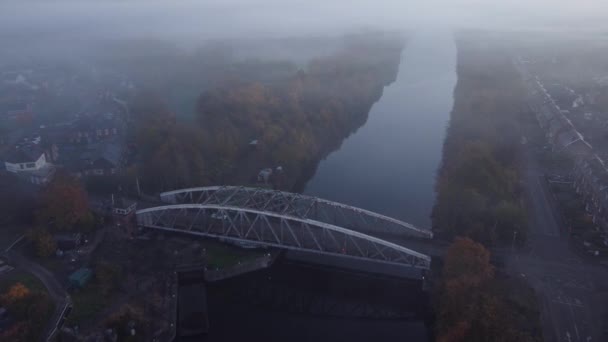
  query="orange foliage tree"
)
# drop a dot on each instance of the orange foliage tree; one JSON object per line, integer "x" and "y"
{"x": 470, "y": 306}
{"x": 65, "y": 204}
{"x": 15, "y": 293}
{"x": 29, "y": 309}
{"x": 466, "y": 271}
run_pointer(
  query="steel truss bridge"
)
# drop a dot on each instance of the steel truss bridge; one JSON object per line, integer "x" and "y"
{"x": 265, "y": 217}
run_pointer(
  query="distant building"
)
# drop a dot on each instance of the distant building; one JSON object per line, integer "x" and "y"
{"x": 123, "y": 212}
{"x": 68, "y": 241}
{"x": 25, "y": 158}
{"x": 591, "y": 182}
{"x": 559, "y": 130}
{"x": 98, "y": 159}
{"x": 20, "y": 114}
{"x": 93, "y": 128}
{"x": 29, "y": 162}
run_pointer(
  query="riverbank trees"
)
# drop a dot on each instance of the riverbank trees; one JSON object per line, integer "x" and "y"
{"x": 478, "y": 192}
{"x": 295, "y": 121}
{"x": 479, "y": 203}
{"x": 473, "y": 302}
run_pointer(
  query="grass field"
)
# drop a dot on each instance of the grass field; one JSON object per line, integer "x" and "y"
{"x": 18, "y": 276}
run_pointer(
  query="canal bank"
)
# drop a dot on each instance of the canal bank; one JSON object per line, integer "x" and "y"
{"x": 389, "y": 165}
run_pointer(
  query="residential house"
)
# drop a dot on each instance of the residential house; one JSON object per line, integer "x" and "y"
{"x": 68, "y": 241}
{"x": 591, "y": 182}
{"x": 98, "y": 159}
{"x": 29, "y": 162}
{"x": 559, "y": 130}
{"x": 89, "y": 129}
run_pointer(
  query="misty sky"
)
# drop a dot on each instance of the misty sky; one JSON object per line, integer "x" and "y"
{"x": 234, "y": 18}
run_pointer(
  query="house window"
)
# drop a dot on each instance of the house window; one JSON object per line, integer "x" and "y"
{"x": 98, "y": 172}
{"x": 30, "y": 165}
{"x": 107, "y": 131}
{"x": 98, "y": 132}
{"x": 114, "y": 131}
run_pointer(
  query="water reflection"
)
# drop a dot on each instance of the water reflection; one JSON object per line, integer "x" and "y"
{"x": 389, "y": 164}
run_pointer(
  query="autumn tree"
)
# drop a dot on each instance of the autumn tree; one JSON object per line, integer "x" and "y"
{"x": 30, "y": 310}
{"x": 470, "y": 306}
{"x": 466, "y": 271}
{"x": 65, "y": 205}
{"x": 44, "y": 243}
{"x": 15, "y": 293}
{"x": 120, "y": 320}
{"x": 18, "y": 332}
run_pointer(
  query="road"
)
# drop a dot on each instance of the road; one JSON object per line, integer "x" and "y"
{"x": 55, "y": 289}
{"x": 572, "y": 291}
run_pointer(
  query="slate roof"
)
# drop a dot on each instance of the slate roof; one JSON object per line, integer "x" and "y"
{"x": 23, "y": 154}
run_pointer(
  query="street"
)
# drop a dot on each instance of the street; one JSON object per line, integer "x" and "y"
{"x": 56, "y": 291}
{"x": 572, "y": 291}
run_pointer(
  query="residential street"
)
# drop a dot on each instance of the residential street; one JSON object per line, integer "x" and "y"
{"x": 573, "y": 292}
{"x": 56, "y": 291}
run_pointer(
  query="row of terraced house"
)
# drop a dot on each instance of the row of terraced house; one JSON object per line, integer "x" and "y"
{"x": 589, "y": 175}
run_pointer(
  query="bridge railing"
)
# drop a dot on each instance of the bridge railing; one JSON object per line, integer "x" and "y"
{"x": 296, "y": 205}
{"x": 251, "y": 226}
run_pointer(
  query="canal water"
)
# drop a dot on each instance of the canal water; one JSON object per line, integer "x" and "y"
{"x": 389, "y": 165}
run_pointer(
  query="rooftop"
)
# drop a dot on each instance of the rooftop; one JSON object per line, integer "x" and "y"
{"x": 23, "y": 154}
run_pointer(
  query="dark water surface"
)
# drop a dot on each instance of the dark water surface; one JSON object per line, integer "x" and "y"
{"x": 389, "y": 164}
{"x": 299, "y": 302}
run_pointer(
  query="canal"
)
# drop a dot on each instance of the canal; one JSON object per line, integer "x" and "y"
{"x": 389, "y": 164}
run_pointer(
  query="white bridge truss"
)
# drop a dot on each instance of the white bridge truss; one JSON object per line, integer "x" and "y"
{"x": 249, "y": 226}
{"x": 296, "y": 205}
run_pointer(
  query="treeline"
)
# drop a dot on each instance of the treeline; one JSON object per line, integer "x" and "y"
{"x": 476, "y": 305}
{"x": 478, "y": 192}
{"x": 296, "y": 120}
{"x": 29, "y": 312}
{"x": 479, "y": 203}
{"x": 63, "y": 208}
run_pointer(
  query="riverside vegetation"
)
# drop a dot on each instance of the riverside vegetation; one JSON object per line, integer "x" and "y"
{"x": 479, "y": 203}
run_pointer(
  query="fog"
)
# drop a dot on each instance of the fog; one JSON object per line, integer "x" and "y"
{"x": 236, "y": 18}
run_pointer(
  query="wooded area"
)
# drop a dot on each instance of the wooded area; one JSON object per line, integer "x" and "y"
{"x": 479, "y": 202}
{"x": 475, "y": 305}
{"x": 295, "y": 121}
{"x": 30, "y": 309}
{"x": 478, "y": 192}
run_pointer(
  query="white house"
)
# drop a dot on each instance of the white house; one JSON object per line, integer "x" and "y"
{"x": 29, "y": 162}
{"x": 25, "y": 159}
